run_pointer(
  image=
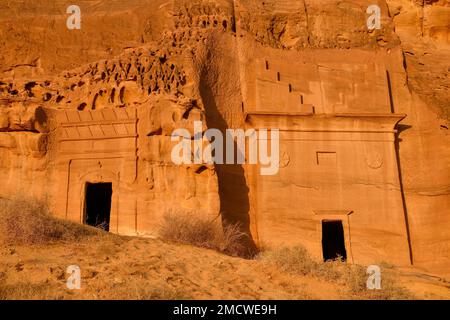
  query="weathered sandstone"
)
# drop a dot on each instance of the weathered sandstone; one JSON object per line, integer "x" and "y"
{"x": 363, "y": 116}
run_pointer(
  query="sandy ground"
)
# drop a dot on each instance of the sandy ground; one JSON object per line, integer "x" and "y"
{"x": 131, "y": 268}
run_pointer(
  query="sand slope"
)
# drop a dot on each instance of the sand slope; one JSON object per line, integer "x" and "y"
{"x": 130, "y": 268}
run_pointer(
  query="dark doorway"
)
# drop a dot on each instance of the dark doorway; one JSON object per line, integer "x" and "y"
{"x": 333, "y": 243}
{"x": 98, "y": 205}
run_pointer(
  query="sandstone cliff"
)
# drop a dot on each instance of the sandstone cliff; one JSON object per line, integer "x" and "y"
{"x": 175, "y": 62}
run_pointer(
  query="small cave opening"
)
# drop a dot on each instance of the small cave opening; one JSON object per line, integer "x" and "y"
{"x": 98, "y": 205}
{"x": 333, "y": 243}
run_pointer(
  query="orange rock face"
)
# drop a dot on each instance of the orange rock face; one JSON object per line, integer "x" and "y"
{"x": 362, "y": 116}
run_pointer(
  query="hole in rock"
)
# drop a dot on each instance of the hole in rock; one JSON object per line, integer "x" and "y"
{"x": 98, "y": 205}
{"x": 333, "y": 244}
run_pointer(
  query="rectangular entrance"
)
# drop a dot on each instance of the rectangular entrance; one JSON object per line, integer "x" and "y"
{"x": 98, "y": 205}
{"x": 333, "y": 243}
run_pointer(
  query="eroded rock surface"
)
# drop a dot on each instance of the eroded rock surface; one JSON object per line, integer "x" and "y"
{"x": 100, "y": 104}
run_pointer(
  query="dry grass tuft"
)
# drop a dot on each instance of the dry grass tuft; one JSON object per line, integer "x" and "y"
{"x": 22, "y": 291}
{"x": 188, "y": 229}
{"x": 25, "y": 291}
{"x": 28, "y": 221}
{"x": 297, "y": 261}
{"x": 355, "y": 278}
{"x": 291, "y": 260}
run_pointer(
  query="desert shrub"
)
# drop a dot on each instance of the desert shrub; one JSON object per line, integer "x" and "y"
{"x": 294, "y": 260}
{"x": 297, "y": 261}
{"x": 204, "y": 233}
{"x": 355, "y": 278}
{"x": 28, "y": 221}
{"x": 330, "y": 270}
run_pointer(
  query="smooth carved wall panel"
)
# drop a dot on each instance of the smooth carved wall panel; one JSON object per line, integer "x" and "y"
{"x": 98, "y": 146}
{"x": 343, "y": 180}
